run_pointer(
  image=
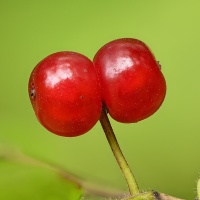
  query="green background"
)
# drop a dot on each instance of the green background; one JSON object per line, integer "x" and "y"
{"x": 163, "y": 150}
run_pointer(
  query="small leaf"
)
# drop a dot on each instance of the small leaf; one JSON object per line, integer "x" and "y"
{"x": 23, "y": 177}
{"x": 28, "y": 182}
{"x": 198, "y": 188}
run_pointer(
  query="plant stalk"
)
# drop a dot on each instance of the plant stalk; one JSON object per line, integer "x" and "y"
{"x": 112, "y": 140}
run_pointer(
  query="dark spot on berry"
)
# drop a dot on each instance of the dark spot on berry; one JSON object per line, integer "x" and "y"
{"x": 32, "y": 93}
{"x": 159, "y": 65}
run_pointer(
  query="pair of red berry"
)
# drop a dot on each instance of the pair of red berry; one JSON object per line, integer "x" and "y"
{"x": 67, "y": 90}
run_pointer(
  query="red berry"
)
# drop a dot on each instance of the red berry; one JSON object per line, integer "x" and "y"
{"x": 132, "y": 84}
{"x": 65, "y": 93}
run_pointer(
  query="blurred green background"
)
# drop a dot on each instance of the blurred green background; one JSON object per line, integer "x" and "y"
{"x": 163, "y": 151}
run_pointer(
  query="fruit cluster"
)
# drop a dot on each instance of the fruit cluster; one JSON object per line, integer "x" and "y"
{"x": 67, "y": 90}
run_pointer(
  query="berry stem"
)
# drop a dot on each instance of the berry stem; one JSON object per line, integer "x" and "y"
{"x": 112, "y": 140}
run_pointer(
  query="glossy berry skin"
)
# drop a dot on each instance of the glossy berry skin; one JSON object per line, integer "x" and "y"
{"x": 132, "y": 84}
{"x": 65, "y": 93}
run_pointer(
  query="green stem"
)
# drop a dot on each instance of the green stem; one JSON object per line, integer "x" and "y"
{"x": 130, "y": 179}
